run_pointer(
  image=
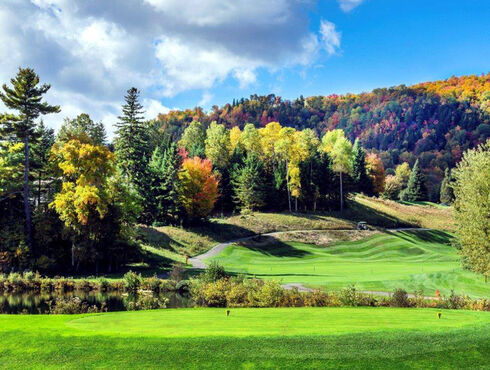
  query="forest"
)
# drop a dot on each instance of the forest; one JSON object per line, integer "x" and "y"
{"x": 433, "y": 121}
{"x": 69, "y": 201}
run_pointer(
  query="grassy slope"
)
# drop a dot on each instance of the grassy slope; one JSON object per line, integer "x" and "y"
{"x": 410, "y": 260}
{"x": 250, "y": 338}
{"x": 166, "y": 244}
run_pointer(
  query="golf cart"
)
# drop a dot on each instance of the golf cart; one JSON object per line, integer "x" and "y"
{"x": 362, "y": 225}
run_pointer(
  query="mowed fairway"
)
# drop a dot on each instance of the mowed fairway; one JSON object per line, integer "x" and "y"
{"x": 412, "y": 260}
{"x": 248, "y": 338}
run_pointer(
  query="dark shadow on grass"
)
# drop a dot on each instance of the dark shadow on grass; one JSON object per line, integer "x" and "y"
{"x": 429, "y": 236}
{"x": 271, "y": 246}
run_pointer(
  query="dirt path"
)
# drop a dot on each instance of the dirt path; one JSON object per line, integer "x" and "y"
{"x": 198, "y": 261}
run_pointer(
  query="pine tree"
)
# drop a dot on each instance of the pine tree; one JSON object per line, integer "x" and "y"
{"x": 131, "y": 142}
{"x": 163, "y": 201}
{"x": 362, "y": 182}
{"x": 248, "y": 184}
{"x": 447, "y": 194}
{"x": 415, "y": 190}
{"x": 25, "y": 97}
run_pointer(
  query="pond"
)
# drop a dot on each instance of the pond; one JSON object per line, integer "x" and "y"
{"x": 42, "y": 303}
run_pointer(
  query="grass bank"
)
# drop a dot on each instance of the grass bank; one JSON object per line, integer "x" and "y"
{"x": 250, "y": 338}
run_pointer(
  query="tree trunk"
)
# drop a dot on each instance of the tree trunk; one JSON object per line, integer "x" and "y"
{"x": 296, "y": 205}
{"x": 72, "y": 254}
{"x": 341, "y": 194}
{"x": 27, "y": 208}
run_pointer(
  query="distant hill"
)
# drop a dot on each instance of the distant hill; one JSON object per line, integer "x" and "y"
{"x": 433, "y": 121}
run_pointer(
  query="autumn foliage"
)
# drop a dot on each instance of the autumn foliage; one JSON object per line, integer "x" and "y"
{"x": 376, "y": 171}
{"x": 199, "y": 187}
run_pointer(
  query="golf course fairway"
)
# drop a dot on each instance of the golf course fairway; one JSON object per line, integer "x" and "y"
{"x": 248, "y": 338}
{"x": 412, "y": 260}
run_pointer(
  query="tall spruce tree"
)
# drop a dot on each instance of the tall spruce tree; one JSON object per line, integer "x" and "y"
{"x": 248, "y": 184}
{"x": 25, "y": 96}
{"x": 163, "y": 201}
{"x": 362, "y": 182}
{"x": 131, "y": 142}
{"x": 415, "y": 188}
{"x": 446, "y": 193}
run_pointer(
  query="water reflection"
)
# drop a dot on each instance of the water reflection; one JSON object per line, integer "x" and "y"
{"x": 41, "y": 303}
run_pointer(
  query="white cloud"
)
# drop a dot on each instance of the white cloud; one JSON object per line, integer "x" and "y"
{"x": 330, "y": 37}
{"x": 153, "y": 108}
{"x": 348, "y": 5}
{"x": 205, "y": 100}
{"x": 218, "y": 12}
{"x": 92, "y": 51}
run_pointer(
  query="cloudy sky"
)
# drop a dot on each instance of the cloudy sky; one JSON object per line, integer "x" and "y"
{"x": 183, "y": 53}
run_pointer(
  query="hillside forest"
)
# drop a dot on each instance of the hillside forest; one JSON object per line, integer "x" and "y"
{"x": 69, "y": 201}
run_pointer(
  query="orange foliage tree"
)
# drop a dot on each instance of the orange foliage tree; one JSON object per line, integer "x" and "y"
{"x": 198, "y": 188}
{"x": 376, "y": 171}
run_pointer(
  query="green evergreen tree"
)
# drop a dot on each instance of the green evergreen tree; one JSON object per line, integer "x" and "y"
{"x": 164, "y": 206}
{"x": 72, "y": 128}
{"x": 25, "y": 97}
{"x": 131, "y": 142}
{"x": 415, "y": 190}
{"x": 248, "y": 184}
{"x": 362, "y": 182}
{"x": 446, "y": 193}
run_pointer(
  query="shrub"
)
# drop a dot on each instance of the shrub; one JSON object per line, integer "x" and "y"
{"x": 168, "y": 286}
{"x": 132, "y": 281}
{"x": 349, "y": 296}
{"x": 455, "y": 301}
{"x": 84, "y": 285}
{"x": 152, "y": 283}
{"x": 104, "y": 284}
{"x": 400, "y": 298}
{"x": 29, "y": 276}
{"x": 214, "y": 272}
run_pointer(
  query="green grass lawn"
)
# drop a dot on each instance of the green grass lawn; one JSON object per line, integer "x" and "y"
{"x": 386, "y": 261}
{"x": 248, "y": 338}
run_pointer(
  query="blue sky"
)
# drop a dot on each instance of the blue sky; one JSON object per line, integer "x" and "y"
{"x": 383, "y": 43}
{"x": 205, "y": 52}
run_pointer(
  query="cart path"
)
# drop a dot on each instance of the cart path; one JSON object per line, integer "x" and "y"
{"x": 198, "y": 261}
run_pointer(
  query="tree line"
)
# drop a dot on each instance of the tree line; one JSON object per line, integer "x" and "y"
{"x": 69, "y": 201}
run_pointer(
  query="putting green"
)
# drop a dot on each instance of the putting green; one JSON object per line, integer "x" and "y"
{"x": 413, "y": 260}
{"x": 248, "y": 338}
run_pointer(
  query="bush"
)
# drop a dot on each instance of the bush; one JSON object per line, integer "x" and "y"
{"x": 348, "y": 296}
{"x": 455, "y": 301}
{"x": 104, "y": 285}
{"x": 132, "y": 281}
{"x": 214, "y": 272}
{"x": 152, "y": 283}
{"x": 400, "y": 298}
